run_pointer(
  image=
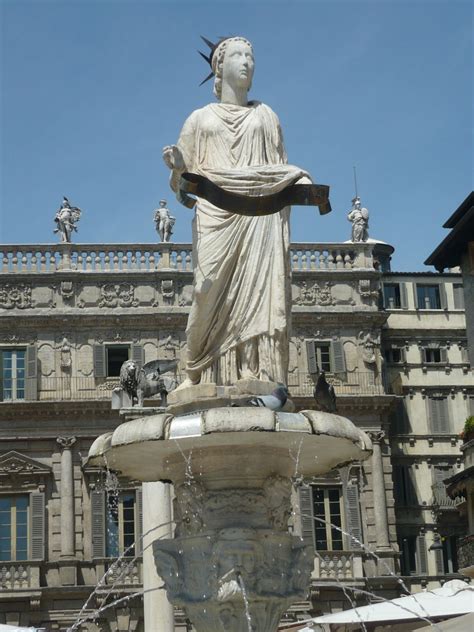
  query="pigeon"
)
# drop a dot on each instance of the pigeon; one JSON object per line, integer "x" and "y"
{"x": 275, "y": 401}
{"x": 324, "y": 394}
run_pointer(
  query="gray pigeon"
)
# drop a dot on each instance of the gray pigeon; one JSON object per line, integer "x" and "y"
{"x": 324, "y": 394}
{"x": 275, "y": 401}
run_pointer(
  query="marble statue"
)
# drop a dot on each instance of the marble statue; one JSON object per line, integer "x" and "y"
{"x": 66, "y": 219}
{"x": 240, "y": 315}
{"x": 164, "y": 222}
{"x": 359, "y": 217}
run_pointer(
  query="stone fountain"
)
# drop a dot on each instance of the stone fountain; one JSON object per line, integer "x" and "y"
{"x": 233, "y": 564}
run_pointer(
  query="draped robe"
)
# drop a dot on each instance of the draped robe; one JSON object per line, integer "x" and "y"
{"x": 240, "y": 314}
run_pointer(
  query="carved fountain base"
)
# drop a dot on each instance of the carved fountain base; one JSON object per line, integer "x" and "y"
{"x": 232, "y": 565}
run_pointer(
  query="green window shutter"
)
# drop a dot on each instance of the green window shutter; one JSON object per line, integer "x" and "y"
{"x": 439, "y": 562}
{"x": 137, "y": 354}
{"x": 415, "y": 296}
{"x": 311, "y": 356}
{"x": 403, "y": 296}
{"x": 442, "y": 296}
{"x": 421, "y": 556}
{"x": 37, "y": 509}
{"x": 458, "y": 292}
{"x": 100, "y": 361}
{"x": 354, "y": 525}
{"x": 439, "y": 415}
{"x": 338, "y": 361}
{"x": 98, "y": 523}
{"x": 306, "y": 514}
{"x": 139, "y": 521}
{"x": 31, "y": 373}
{"x": 443, "y": 354}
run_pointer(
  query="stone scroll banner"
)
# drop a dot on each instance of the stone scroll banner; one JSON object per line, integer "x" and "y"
{"x": 253, "y": 205}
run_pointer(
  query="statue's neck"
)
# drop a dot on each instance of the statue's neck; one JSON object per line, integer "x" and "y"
{"x": 234, "y": 95}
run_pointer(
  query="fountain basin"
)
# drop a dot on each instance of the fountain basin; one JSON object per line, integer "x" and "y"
{"x": 230, "y": 446}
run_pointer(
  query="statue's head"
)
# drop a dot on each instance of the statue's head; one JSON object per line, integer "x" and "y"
{"x": 356, "y": 202}
{"x": 162, "y": 203}
{"x": 233, "y": 61}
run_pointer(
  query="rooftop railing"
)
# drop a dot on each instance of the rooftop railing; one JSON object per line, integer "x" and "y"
{"x": 48, "y": 258}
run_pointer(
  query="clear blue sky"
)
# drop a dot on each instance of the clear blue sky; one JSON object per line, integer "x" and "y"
{"x": 92, "y": 90}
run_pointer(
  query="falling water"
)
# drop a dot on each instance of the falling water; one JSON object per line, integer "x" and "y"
{"x": 248, "y": 616}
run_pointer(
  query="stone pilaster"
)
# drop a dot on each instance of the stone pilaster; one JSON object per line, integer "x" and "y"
{"x": 378, "y": 487}
{"x": 67, "y": 568}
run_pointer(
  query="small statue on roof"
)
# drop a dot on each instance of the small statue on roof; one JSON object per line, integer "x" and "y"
{"x": 164, "y": 222}
{"x": 66, "y": 218}
{"x": 359, "y": 217}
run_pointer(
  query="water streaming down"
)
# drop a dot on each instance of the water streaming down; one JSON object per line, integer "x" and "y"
{"x": 382, "y": 561}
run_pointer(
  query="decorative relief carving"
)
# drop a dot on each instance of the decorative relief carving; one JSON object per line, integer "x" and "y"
{"x": 19, "y": 470}
{"x": 315, "y": 294}
{"x": 66, "y": 443}
{"x": 167, "y": 288}
{"x": 369, "y": 343}
{"x": 117, "y": 295}
{"x": 15, "y": 296}
{"x": 368, "y": 289}
{"x": 66, "y": 289}
{"x": 65, "y": 350}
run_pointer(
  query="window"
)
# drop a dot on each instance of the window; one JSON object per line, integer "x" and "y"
{"x": 399, "y": 419}
{"x": 116, "y": 356}
{"x": 328, "y": 506}
{"x": 432, "y": 355}
{"x": 116, "y": 522}
{"x": 120, "y": 523}
{"x": 12, "y": 374}
{"x": 429, "y": 296}
{"x": 13, "y": 528}
{"x": 404, "y": 488}
{"x": 450, "y": 558}
{"x": 325, "y": 355}
{"x": 438, "y": 415}
{"x": 391, "y": 296}
{"x": 458, "y": 292}
{"x": 414, "y": 558}
{"x": 394, "y": 355}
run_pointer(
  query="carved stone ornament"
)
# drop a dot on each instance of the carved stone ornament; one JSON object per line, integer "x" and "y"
{"x": 66, "y": 289}
{"x": 231, "y": 543}
{"x": 368, "y": 290}
{"x": 15, "y": 296}
{"x": 65, "y": 349}
{"x": 369, "y": 344}
{"x": 117, "y": 295}
{"x": 19, "y": 470}
{"x": 66, "y": 443}
{"x": 315, "y": 294}
{"x": 167, "y": 288}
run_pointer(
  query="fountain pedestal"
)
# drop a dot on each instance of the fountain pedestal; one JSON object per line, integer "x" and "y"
{"x": 232, "y": 565}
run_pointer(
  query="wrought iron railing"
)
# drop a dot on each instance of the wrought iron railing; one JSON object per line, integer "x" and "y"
{"x": 440, "y": 499}
{"x": 350, "y": 383}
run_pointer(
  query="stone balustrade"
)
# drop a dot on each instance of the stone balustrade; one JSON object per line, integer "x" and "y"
{"x": 337, "y": 565}
{"x": 48, "y": 258}
{"x": 19, "y": 575}
{"x": 126, "y": 572}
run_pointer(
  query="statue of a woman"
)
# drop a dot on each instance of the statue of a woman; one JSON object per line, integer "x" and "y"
{"x": 239, "y": 319}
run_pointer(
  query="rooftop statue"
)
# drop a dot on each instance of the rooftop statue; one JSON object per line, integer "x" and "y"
{"x": 66, "y": 218}
{"x": 360, "y": 221}
{"x": 231, "y": 155}
{"x": 164, "y": 222}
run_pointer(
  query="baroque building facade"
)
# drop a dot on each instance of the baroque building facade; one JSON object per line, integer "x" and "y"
{"x": 392, "y": 344}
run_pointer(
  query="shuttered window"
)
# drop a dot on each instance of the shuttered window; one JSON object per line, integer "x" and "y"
{"x": 14, "y": 528}
{"x": 353, "y": 521}
{"x": 325, "y": 356}
{"x": 404, "y": 487}
{"x": 414, "y": 556}
{"x": 439, "y": 415}
{"x": 306, "y": 514}
{"x": 12, "y": 374}
{"x": 116, "y": 522}
{"x": 430, "y": 296}
{"x": 391, "y": 296}
{"x": 328, "y": 515}
{"x": 458, "y": 292}
{"x": 434, "y": 354}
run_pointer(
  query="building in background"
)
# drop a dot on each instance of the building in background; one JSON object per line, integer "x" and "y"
{"x": 393, "y": 344}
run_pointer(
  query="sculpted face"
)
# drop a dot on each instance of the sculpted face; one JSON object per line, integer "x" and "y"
{"x": 238, "y": 65}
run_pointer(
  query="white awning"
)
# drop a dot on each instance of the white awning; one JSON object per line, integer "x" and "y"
{"x": 453, "y": 599}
